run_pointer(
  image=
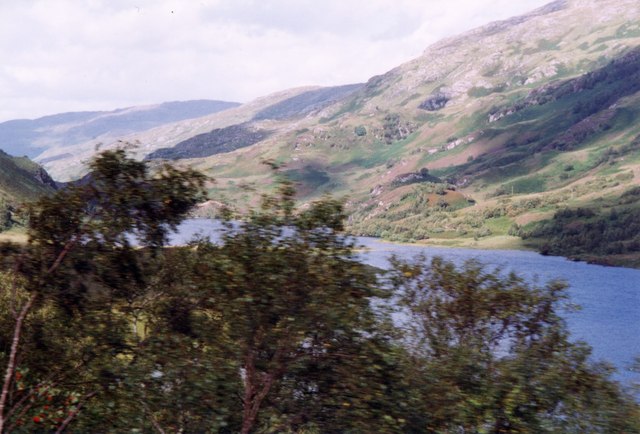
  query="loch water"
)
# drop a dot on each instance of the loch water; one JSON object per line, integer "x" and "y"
{"x": 609, "y": 297}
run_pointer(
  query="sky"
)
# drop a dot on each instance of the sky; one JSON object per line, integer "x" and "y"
{"x": 76, "y": 55}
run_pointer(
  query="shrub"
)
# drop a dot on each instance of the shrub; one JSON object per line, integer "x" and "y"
{"x": 360, "y": 131}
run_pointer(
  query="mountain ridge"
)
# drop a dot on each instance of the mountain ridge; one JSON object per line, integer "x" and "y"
{"x": 28, "y": 136}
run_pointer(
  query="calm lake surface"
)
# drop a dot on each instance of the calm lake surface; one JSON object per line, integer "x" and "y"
{"x": 609, "y": 297}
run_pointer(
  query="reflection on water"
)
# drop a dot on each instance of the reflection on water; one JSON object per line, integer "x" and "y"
{"x": 610, "y": 297}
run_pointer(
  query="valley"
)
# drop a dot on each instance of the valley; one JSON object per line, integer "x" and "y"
{"x": 448, "y": 246}
{"x": 496, "y": 138}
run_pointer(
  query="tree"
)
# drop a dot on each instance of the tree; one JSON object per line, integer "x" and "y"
{"x": 71, "y": 284}
{"x": 360, "y": 131}
{"x": 283, "y": 302}
{"x": 5, "y": 215}
{"x": 490, "y": 353}
{"x": 274, "y": 327}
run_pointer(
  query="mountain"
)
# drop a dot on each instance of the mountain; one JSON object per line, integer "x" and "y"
{"x": 520, "y": 133}
{"x": 30, "y": 137}
{"x": 242, "y": 135}
{"x": 21, "y": 180}
{"x": 67, "y": 163}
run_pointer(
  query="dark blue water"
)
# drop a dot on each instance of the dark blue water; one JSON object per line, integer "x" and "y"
{"x": 609, "y": 297}
{"x": 609, "y": 318}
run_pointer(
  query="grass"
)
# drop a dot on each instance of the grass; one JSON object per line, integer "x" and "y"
{"x": 16, "y": 235}
{"x": 497, "y": 242}
{"x": 532, "y": 184}
{"x": 379, "y": 153}
{"x": 499, "y": 225}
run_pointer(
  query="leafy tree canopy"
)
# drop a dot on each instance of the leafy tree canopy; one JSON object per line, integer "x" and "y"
{"x": 276, "y": 327}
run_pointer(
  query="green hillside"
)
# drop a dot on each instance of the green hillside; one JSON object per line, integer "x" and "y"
{"x": 518, "y": 120}
{"x": 569, "y": 145}
{"x": 21, "y": 180}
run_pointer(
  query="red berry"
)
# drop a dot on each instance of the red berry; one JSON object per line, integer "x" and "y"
{"x": 37, "y": 419}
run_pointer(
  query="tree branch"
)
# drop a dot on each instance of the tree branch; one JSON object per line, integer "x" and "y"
{"x": 8, "y": 376}
{"x": 21, "y": 414}
{"x": 153, "y": 420}
{"x": 73, "y": 414}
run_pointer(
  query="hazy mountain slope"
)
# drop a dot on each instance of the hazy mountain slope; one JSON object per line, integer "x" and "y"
{"x": 30, "y": 137}
{"x": 306, "y": 103}
{"x": 67, "y": 163}
{"x": 217, "y": 141}
{"x": 221, "y": 140}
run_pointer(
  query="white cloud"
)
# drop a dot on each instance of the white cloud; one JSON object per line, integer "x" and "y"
{"x": 102, "y": 54}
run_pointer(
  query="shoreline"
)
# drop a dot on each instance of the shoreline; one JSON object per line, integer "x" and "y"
{"x": 510, "y": 243}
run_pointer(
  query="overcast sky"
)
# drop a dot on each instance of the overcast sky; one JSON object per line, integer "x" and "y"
{"x": 70, "y": 55}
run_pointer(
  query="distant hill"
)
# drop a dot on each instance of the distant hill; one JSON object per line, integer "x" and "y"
{"x": 222, "y": 131}
{"x": 221, "y": 140}
{"x": 30, "y": 137}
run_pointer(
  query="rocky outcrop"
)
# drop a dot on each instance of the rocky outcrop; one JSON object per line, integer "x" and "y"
{"x": 414, "y": 178}
{"x": 42, "y": 176}
{"x": 435, "y": 102}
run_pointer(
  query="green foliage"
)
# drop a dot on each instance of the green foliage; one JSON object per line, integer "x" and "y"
{"x": 274, "y": 326}
{"x": 277, "y": 327}
{"x": 294, "y": 306}
{"x": 489, "y": 353}
{"x": 81, "y": 279}
{"x": 360, "y": 131}
{"x": 587, "y": 233}
{"x": 395, "y": 129}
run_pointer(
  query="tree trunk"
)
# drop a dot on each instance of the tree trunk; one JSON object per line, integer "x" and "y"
{"x": 252, "y": 406}
{"x": 11, "y": 365}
